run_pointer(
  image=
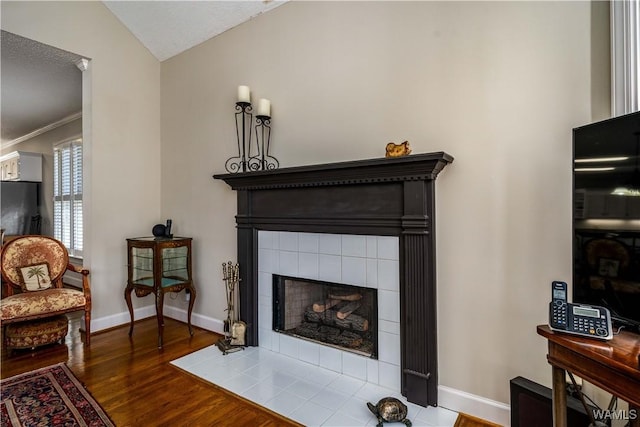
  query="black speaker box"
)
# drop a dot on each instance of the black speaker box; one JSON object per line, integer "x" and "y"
{"x": 531, "y": 406}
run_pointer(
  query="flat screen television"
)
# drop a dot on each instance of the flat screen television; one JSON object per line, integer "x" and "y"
{"x": 606, "y": 217}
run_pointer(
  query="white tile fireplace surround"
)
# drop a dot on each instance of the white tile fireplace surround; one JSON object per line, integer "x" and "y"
{"x": 311, "y": 383}
{"x": 366, "y": 261}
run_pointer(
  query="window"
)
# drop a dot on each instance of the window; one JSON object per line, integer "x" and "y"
{"x": 625, "y": 53}
{"x": 67, "y": 195}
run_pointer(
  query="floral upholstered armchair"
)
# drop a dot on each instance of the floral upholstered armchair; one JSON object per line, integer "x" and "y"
{"x": 35, "y": 265}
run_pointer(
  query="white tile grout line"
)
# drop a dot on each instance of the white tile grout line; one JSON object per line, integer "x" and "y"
{"x": 306, "y": 393}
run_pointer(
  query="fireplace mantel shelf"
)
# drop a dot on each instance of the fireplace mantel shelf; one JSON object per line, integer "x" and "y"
{"x": 408, "y": 168}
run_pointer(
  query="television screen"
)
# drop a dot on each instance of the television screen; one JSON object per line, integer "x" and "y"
{"x": 606, "y": 216}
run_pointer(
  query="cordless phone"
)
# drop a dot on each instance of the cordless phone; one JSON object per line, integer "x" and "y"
{"x": 558, "y": 307}
{"x": 578, "y": 319}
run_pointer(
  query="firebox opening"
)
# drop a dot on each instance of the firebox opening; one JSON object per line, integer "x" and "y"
{"x": 333, "y": 314}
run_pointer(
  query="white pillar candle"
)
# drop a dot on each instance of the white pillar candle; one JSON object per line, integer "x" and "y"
{"x": 264, "y": 107}
{"x": 244, "y": 94}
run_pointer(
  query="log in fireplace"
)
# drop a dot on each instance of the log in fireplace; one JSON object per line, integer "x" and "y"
{"x": 386, "y": 197}
{"x": 333, "y": 314}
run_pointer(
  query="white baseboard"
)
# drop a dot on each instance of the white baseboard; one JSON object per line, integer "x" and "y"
{"x": 122, "y": 318}
{"x": 477, "y": 406}
{"x": 448, "y": 397}
{"x": 204, "y": 322}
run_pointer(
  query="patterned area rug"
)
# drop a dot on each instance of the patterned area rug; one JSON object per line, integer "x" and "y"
{"x": 50, "y": 396}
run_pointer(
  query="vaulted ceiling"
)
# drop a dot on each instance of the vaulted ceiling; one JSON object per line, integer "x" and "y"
{"x": 168, "y": 28}
{"x": 42, "y": 85}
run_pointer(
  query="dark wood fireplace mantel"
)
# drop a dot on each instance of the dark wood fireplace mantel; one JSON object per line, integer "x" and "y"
{"x": 407, "y": 168}
{"x": 388, "y": 197}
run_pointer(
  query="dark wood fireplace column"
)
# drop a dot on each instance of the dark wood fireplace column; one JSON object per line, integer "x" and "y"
{"x": 384, "y": 197}
{"x": 418, "y": 320}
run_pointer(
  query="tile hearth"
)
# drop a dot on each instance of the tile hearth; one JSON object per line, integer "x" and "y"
{"x": 306, "y": 393}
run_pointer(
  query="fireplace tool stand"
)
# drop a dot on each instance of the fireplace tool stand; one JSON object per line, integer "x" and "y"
{"x": 234, "y": 330}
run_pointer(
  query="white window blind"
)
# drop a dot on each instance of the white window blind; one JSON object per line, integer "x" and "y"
{"x": 67, "y": 195}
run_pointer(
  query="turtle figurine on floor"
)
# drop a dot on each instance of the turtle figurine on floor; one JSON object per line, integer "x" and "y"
{"x": 389, "y": 409}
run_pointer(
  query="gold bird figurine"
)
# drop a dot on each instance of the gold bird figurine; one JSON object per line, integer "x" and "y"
{"x": 398, "y": 150}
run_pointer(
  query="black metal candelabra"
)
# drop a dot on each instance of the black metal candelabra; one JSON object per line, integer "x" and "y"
{"x": 246, "y": 161}
{"x": 263, "y": 160}
{"x": 244, "y": 120}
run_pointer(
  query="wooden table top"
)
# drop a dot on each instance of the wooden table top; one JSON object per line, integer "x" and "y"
{"x": 621, "y": 353}
{"x": 612, "y": 365}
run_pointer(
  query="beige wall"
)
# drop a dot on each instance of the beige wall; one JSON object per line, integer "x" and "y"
{"x": 498, "y": 85}
{"x": 121, "y": 132}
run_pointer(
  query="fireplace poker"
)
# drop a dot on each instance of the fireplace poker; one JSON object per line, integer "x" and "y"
{"x": 234, "y": 330}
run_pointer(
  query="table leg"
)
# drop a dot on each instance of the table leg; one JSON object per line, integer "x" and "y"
{"x": 127, "y": 297}
{"x": 192, "y": 299}
{"x": 159, "y": 316}
{"x": 559, "y": 397}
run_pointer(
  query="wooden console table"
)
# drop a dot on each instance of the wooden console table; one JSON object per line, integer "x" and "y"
{"x": 611, "y": 365}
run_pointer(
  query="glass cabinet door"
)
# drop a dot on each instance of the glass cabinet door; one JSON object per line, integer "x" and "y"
{"x": 174, "y": 265}
{"x": 142, "y": 272}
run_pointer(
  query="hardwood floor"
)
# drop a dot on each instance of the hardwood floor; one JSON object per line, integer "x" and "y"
{"x": 135, "y": 383}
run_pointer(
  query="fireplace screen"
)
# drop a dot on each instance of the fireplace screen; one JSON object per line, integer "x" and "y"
{"x": 333, "y": 314}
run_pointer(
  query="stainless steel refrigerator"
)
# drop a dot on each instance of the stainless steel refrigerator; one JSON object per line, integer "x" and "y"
{"x": 20, "y": 206}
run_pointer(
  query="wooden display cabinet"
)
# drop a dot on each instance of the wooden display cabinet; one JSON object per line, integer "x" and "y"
{"x": 159, "y": 265}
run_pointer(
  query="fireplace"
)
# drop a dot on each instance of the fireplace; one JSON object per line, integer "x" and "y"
{"x": 332, "y": 314}
{"x": 378, "y": 198}
{"x": 368, "y": 263}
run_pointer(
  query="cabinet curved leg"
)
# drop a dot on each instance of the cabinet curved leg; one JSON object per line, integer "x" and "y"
{"x": 192, "y": 299}
{"x": 127, "y": 297}
{"x": 159, "y": 316}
